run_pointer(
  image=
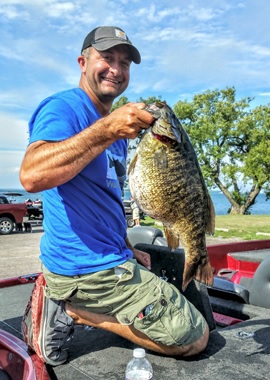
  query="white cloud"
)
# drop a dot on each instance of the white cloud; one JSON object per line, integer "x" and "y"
{"x": 265, "y": 94}
{"x": 13, "y": 143}
{"x": 14, "y": 134}
{"x": 12, "y": 13}
{"x": 10, "y": 162}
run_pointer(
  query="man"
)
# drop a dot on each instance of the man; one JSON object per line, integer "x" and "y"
{"x": 76, "y": 156}
{"x": 135, "y": 211}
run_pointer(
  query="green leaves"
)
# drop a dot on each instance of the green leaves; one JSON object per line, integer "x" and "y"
{"x": 120, "y": 102}
{"x": 231, "y": 141}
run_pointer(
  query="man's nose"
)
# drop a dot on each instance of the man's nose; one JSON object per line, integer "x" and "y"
{"x": 116, "y": 68}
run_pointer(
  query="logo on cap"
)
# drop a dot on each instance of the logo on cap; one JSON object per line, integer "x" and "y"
{"x": 120, "y": 34}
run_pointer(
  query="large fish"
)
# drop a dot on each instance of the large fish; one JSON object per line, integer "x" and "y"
{"x": 166, "y": 181}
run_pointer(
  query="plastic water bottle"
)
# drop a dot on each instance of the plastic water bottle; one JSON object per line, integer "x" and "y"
{"x": 139, "y": 367}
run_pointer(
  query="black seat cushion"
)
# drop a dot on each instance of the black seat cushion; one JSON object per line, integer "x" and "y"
{"x": 224, "y": 288}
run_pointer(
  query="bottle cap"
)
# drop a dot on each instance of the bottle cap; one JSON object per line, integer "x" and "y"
{"x": 139, "y": 353}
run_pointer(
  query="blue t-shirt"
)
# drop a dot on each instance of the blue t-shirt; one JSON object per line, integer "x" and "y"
{"x": 84, "y": 219}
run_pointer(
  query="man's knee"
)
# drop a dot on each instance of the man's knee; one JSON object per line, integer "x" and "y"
{"x": 198, "y": 346}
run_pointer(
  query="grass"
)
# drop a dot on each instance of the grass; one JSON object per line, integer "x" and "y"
{"x": 246, "y": 227}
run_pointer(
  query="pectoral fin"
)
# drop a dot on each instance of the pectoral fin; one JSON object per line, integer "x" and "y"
{"x": 133, "y": 163}
{"x": 171, "y": 237}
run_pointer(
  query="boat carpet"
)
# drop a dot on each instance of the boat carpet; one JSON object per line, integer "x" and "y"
{"x": 98, "y": 355}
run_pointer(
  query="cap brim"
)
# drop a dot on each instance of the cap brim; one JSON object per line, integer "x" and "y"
{"x": 105, "y": 45}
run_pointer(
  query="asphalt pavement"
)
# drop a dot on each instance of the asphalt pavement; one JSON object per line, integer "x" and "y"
{"x": 19, "y": 251}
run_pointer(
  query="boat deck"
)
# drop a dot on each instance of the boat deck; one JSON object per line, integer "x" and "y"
{"x": 251, "y": 256}
{"x": 98, "y": 355}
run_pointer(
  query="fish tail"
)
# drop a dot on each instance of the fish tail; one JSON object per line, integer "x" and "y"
{"x": 202, "y": 273}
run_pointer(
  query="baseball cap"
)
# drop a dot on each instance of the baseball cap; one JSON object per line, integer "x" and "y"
{"x": 105, "y": 37}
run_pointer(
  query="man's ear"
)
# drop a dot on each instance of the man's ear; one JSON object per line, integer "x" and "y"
{"x": 82, "y": 62}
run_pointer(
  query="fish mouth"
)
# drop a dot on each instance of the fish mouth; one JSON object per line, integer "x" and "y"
{"x": 162, "y": 138}
{"x": 154, "y": 111}
{"x": 173, "y": 125}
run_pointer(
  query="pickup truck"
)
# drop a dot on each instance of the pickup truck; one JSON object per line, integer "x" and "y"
{"x": 11, "y": 215}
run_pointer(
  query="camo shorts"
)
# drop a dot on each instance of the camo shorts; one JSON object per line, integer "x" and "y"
{"x": 134, "y": 296}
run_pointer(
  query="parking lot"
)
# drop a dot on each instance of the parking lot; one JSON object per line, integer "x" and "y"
{"x": 19, "y": 252}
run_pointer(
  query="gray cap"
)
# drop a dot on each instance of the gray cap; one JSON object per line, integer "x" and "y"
{"x": 105, "y": 37}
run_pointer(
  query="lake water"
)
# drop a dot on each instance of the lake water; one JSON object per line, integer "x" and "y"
{"x": 220, "y": 201}
{"x": 222, "y": 205}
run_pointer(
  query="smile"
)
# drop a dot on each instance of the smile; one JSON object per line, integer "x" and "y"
{"x": 111, "y": 80}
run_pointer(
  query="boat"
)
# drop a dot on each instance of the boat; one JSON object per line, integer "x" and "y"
{"x": 237, "y": 309}
{"x": 34, "y": 208}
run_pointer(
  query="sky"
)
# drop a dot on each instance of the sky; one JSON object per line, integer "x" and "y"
{"x": 187, "y": 47}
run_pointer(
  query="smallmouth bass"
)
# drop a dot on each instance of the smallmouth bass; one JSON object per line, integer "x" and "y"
{"x": 165, "y": 180}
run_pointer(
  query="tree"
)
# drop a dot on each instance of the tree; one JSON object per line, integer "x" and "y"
{"x": 124, "y": 100}
{"x": 232, "y": 144}
{"x": 120, "y": 102}
{"x": 150, "y": 99}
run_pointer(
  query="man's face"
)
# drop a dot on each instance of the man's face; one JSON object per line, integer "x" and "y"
{"x": 107, "y": 72}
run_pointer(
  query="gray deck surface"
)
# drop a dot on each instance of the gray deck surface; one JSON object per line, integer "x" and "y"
{"x": 256, "y": 256}
{"x": 98, "y": 355}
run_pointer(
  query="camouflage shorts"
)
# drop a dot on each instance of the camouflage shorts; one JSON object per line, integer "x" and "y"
{"x": 134, "y": 296}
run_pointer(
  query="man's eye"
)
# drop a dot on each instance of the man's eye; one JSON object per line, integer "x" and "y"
{"x": 126, "y": 65}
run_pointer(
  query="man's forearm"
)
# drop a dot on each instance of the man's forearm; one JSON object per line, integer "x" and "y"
{"x": 50, "y": 164}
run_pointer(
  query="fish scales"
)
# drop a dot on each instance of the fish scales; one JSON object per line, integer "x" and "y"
{"x": 166, "y": 196}
{"x": 166, "y": 181}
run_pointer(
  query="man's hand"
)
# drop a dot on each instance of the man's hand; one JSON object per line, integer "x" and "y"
{"x": 128, "y": 121}
{"x": 143, "y": 258}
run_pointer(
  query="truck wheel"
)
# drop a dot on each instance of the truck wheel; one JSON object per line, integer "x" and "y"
{"x": 130, "y": 221}
{"x": 6, "y": 225}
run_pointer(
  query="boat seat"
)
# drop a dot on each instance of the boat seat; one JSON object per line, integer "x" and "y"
{"x": 223, "y": 287}
{"x": 146, "y": 235}
{"x": 258, "y": 293}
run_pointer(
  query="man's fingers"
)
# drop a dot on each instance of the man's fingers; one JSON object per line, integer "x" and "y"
{"x": 142, "y": 106}
{"x": 145, "y": 116}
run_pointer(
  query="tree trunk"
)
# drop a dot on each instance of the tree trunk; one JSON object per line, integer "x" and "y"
{"x": 237, "y": 208}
